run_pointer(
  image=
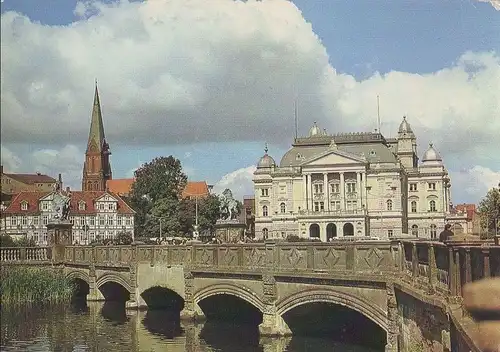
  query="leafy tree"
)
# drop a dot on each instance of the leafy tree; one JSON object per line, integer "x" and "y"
{"x": 123, "y": 237}
{"x": 156, "y": 193}
{"x": 208, "y": 213}
{"x": 25, "y": 242}
{"x": 489, "y": 211}
{"x": 7, "y": 241}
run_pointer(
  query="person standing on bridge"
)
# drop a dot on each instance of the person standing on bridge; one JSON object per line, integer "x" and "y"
{"x": 446, "y": 234}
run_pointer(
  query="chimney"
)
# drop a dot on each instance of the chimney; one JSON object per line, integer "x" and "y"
{"x": 60, "y": 178}
{"x": 68, "y": 189}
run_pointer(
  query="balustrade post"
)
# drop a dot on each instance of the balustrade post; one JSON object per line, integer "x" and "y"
{"x": 468, "y": 266}
{"x": 414, "y": 260}
{"x": 22, "y": 254}
{"x": 458, "y": 273}
{"x": 452, "y": 273}
{"x": 153, "y": 255}
{"x": 432, "y": 267}
{"x": 486, "y": 262}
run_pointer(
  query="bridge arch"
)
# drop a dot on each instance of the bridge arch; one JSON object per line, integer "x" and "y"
{"x": 361, "y": 305}
{"x": 241, "y": 292}
{"x": 77, "y": 274}
{"x": 114, "y": 278}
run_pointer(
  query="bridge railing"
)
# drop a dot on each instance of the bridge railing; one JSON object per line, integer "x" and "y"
{"x": 446, "y": 268}
{"x": 372, "y": 257}
{"x": 25, "y": 254}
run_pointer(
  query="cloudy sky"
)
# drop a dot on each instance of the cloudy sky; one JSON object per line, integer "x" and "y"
{"x": 211, "y": 81}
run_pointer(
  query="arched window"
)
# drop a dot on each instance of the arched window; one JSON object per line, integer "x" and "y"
{"x": 264, "y": 210}
{"x": 282, "y": 208}
{"x": 389, "y": 204}
{"x": 433, "y": 231}
{"x": 265, "y": 232}
{"x": 432, "y": 205}
{"x": 414, "y": 230}
{"x": 413, "y": 206}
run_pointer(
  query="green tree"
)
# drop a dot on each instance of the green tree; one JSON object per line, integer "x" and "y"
{"x": 123, "y": 237}
{"x": 489, "y": 212}
{"x": 208, "y": 213}
{"x": 156, "y": 193}
{"x": 7, "y": 241}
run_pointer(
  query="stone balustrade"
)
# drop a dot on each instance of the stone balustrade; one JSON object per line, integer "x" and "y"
{"x": 25, "y": 255}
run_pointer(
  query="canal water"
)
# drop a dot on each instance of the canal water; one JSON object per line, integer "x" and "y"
{"x": 97, "y": 326}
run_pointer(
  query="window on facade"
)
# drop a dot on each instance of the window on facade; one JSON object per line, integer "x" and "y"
{"x": 101, "y": 220}
{"x": 335, "y": 205}
{"x": 282, "y": 208}
{"x": 110, "y": 221}
{"x": 389, "y": 204}
{"x": 45, "y": 219}
{"x": 128, "y": 221}
{"x": 432, "y": 206}
{"x": 265, "y": 233}
{"x": 318, "y": 188}
{"x": 110, "y": 206}
{"x": 433, "y": 231}
{"x": 413, "y": 187}
{"x": 119, "y": 221}
{"x": 316, "y": 206}
{"x": 414, "y": 230}
{"x": 390, "y": 233}
{"x": 351, "y": 187}
{"x": 35, "y": 220}
{"x": 351, "y": 204}
{"x": 24, "y": 206}
{"x": 322, "y": 206}
{"x": 282, "y": 189}
{"x": 72, "y": 220}
{"x": 335, "y": 188}
{"x": 81, "y": 206}
{"x": 264, "y": 192}
{"x": 264, "y": 210}
{"x": 82, "y": 220}
{"x": 92, "y": 221}
{"x": 413, "y": 206}
{"x": 101, "y": 206}
{"x": 432, "y": 186}
{"x": 45, "y": 206}
{"x": 24, "y": 220}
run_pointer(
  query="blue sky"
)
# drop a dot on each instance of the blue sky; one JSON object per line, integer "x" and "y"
{"x": 361, "y": 38}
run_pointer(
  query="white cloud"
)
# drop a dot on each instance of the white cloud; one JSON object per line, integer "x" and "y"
{"x": 182, "y": 71}
{"x": 66, "y": 161}
{"x": 475, "y": 182}
{"x": 10, "y": 161}
{"x": 239, "y": 182}
{"x": 494, "y": 3}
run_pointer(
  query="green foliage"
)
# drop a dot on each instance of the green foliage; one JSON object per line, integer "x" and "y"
{"x": 21, "y": 285}
{"x": 124, "y": 237}
{"x": 7, "y": 241}
{"x": 208, "y": 213}
{"x": 489, "y": 212}
{"x": 156, "y": 193}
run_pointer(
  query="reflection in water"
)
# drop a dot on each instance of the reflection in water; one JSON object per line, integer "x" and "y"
{"x": 100, "y": 326}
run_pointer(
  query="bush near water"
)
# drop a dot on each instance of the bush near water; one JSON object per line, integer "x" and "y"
{"x": 22, "y": 285}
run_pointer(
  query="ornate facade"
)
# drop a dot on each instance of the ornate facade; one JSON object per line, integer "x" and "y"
{"x": 94, "y": 215}
{"x": 96, "y": 167}
{"x": 353, "y": 184}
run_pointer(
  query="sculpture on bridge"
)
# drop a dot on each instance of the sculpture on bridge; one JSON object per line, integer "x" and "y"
{"x": 229, "y": 207}
{"x": 60, "y": 204}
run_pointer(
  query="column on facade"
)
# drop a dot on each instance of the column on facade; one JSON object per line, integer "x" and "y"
{"x": 358, "y": 190}
{"x": 444, "y": 197}
{"x": 309, "y": 191}
{"x": 304, "y": 191}
{"x": 364, "y": 199}
{"x": 312, "y": 191}
{"x": 342, "y": 192}
{"x": 325, "y": 191}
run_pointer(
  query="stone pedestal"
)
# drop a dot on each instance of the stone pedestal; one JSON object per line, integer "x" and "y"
{"x": 229, "y": 231}
{"x": 59, "y": 236}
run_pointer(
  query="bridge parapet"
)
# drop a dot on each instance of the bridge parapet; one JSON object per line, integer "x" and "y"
{"x": 25, "y": 255}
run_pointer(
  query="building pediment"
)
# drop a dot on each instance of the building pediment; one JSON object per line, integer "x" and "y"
{"x": 106, "y": 197}
{"x": 334, "y": 157}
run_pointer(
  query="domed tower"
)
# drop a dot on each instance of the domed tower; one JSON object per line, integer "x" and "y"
{"x": 266, "y": 163}
{"x": 407, "y": 145}
{"x": 432, "y": 158}
{"x": 315, "y": 131}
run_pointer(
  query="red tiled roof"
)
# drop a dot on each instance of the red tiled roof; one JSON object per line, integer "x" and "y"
{"x": 124, "y": 186}
{"x": 470, "y": 209}
{"x": 121, "y": 186}
{"x": 31, "y": 179}
{"x": 194, "y": 189}
{"x": 89, "y": 198}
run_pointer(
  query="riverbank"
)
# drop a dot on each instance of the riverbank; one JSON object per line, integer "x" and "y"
{"x": 21, "y": 285}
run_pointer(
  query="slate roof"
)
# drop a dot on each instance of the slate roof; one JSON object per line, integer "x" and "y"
{"x": 120, "y": 186}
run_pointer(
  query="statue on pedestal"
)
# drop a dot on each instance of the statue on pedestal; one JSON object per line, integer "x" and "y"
{"x": 60, "y": 204}
{"x": 229, "y": 209}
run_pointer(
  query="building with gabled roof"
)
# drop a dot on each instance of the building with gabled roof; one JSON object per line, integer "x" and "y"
{"x": 12, "y": 183}
{"x": 94, "y": 215}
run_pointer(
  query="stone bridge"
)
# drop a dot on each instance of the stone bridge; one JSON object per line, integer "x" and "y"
{"x": 410, "y": 289}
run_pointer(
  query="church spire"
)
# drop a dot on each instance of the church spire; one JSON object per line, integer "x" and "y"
{"x": 96, "y": 134}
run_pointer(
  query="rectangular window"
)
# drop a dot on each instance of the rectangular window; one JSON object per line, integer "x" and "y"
{"x": 316, "y": 206}
{"x": 335, "y": 205}
{"x": 322, "y": 206}
{"x": 13, "y": 221}
{"x": 432, "y": 186}
{"x": 413, "y": 187}
{"x": 110, "y": 221}
{"x": 35, "y": 220}
{"x": 45, "y": 219}
{"x": 101, "y": 206}
{"x": 81, "y": 206}
{"x": 92, "y": 221}
{"x": 110, "y": 206}
{"x": 390, "y": 233}
{"x": 24, "y": 220}
{"x": 118, "y": 221}
{"x": 128, "y": 221}
{"x": 101, "y": 220}
{"x": 318, "y": 188}
{"x": 45, "y": 206}
{"x": 24, "y": 206}
{"x": 82, "y": 220}
{"x": 264, "y": 192}
{"x": 335, "y": 188}
{"x": 351, "y": 187}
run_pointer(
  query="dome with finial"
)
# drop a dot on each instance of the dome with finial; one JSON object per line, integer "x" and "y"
{"x": 266, "y": 161}
{"x": 431, "y": 154}
{"x": 315, "y": 131}
{"x": 405, "y": 127}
